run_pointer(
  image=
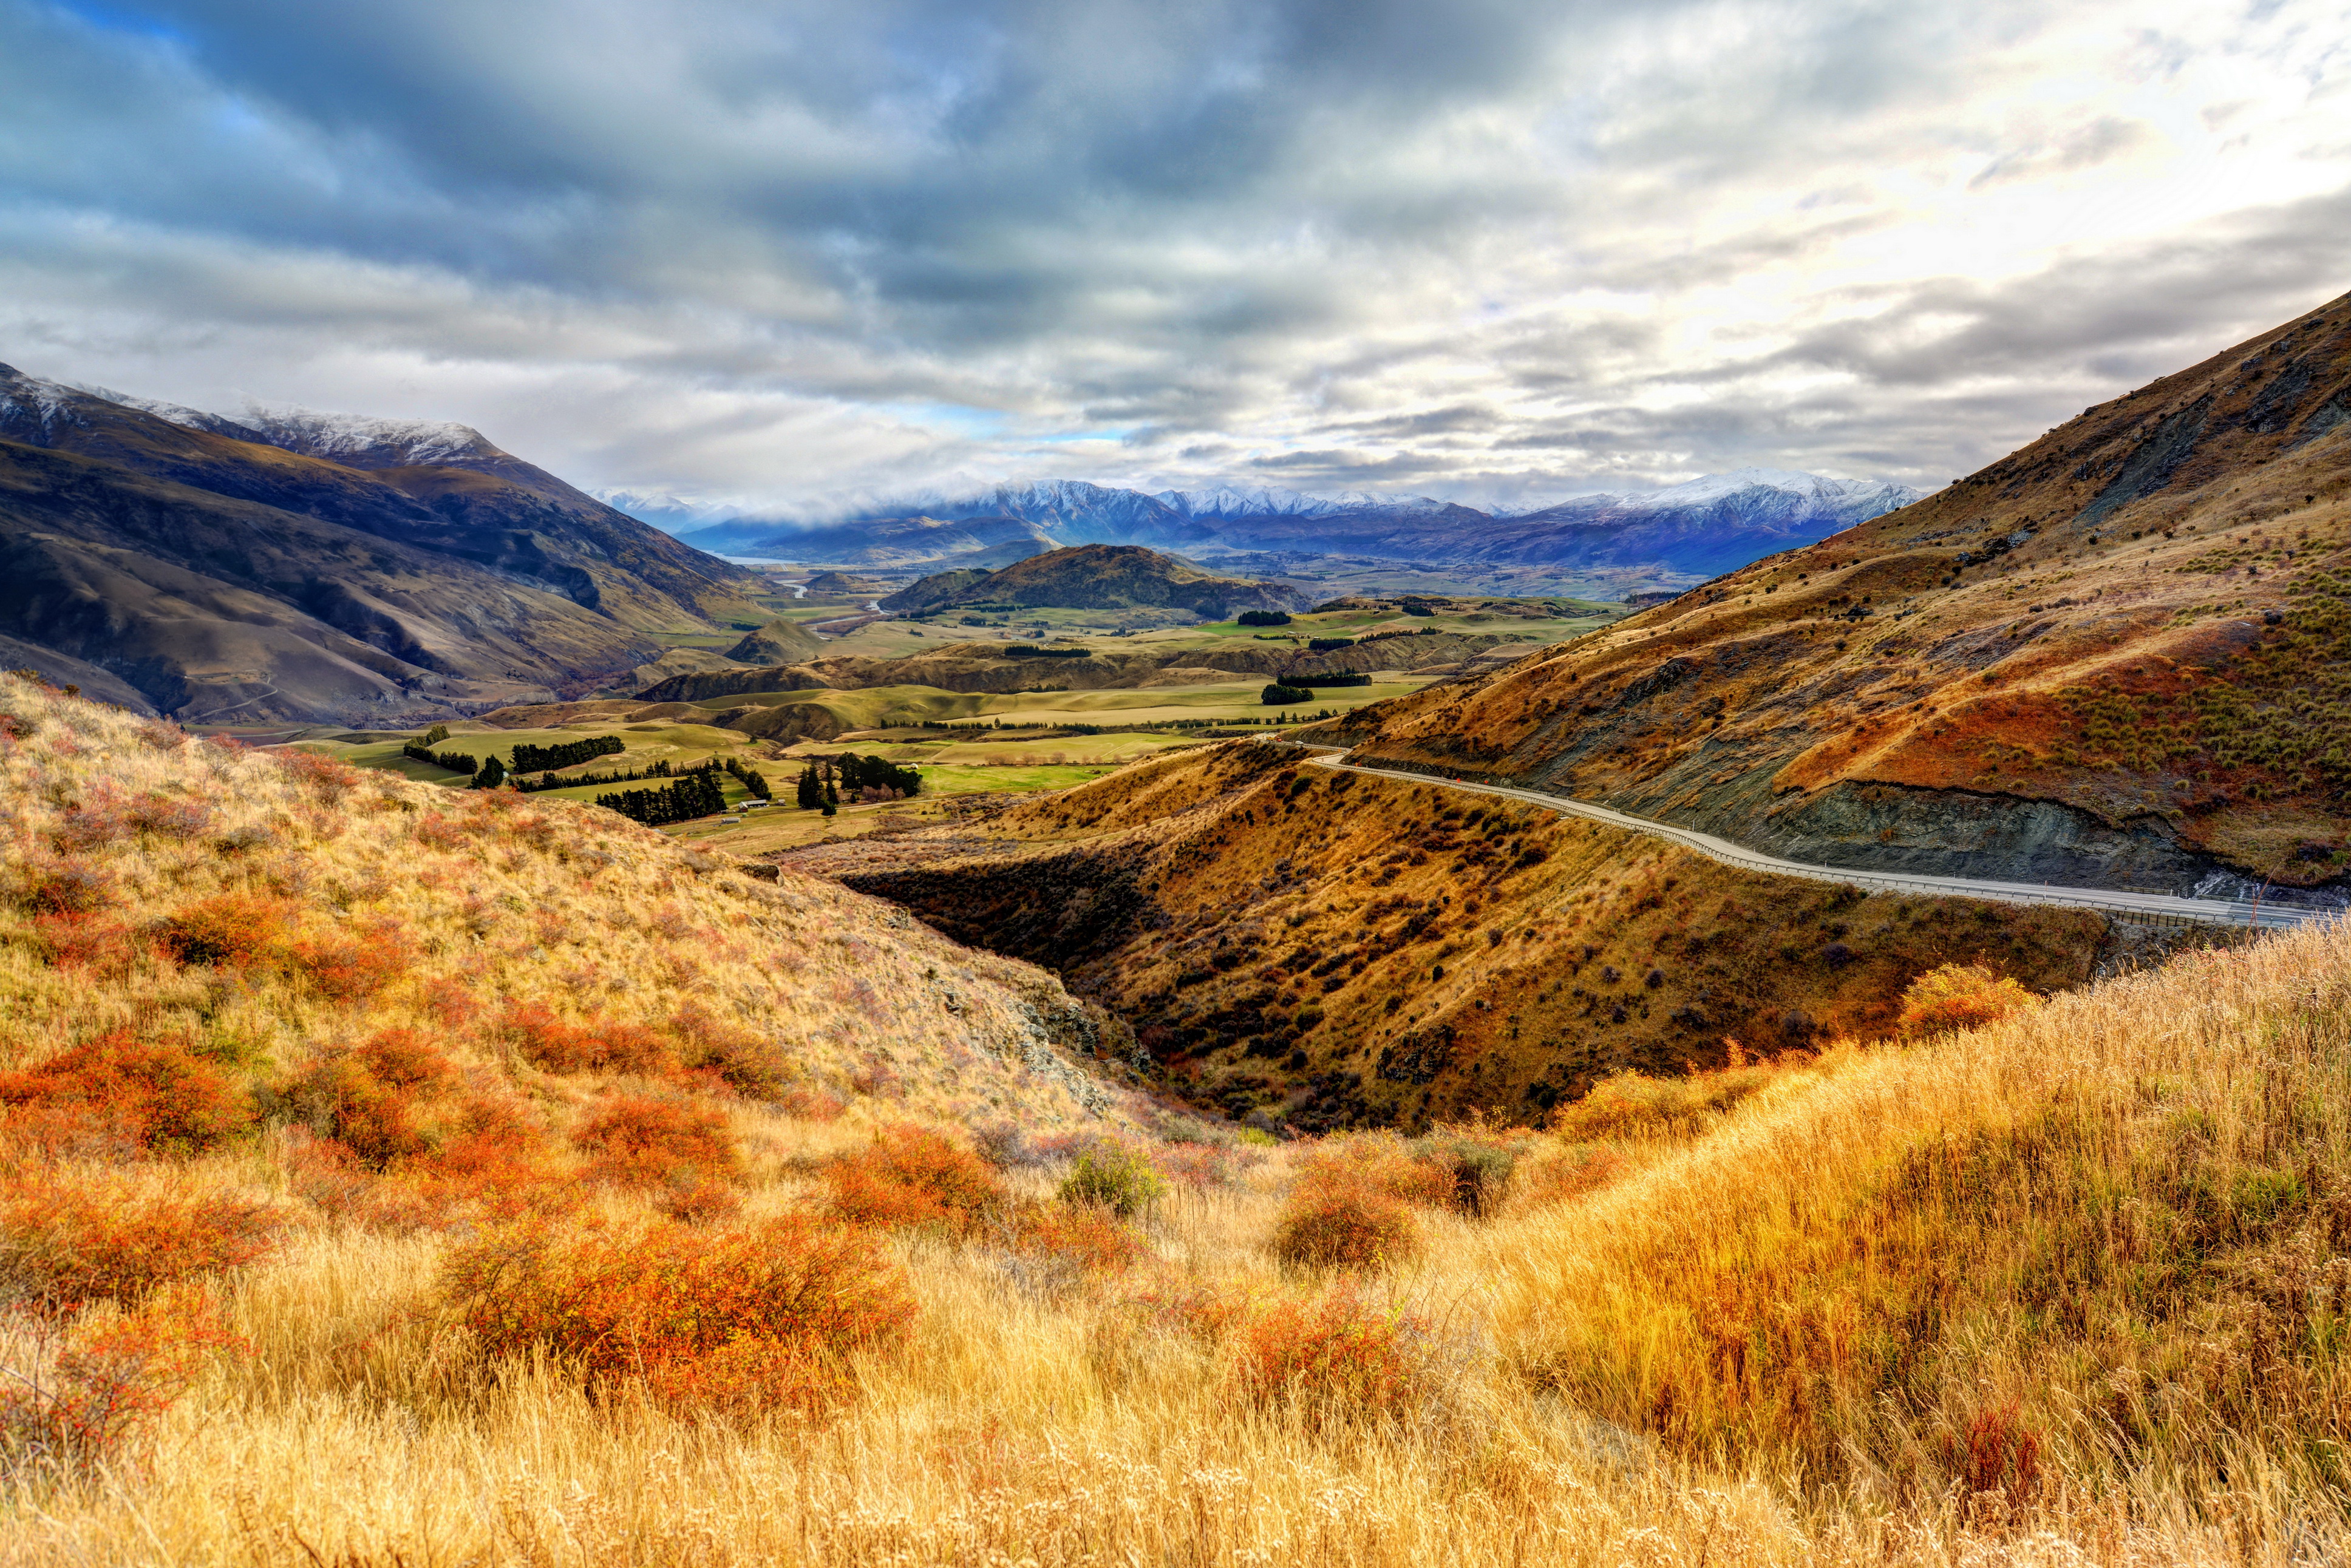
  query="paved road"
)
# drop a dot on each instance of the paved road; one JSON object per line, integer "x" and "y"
{"x": 2145, "y": 905}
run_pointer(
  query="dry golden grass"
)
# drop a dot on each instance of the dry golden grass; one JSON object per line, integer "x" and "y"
{"x": 2183, "y": 1397}
{"x": 402, "y": 906}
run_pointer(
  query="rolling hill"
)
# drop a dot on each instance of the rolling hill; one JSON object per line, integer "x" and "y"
{"x": 1096, "y": 576}
{"x": 1322, "y": 951}
{"x": 2116, "y": 657}
{"x": 225, "y": 577}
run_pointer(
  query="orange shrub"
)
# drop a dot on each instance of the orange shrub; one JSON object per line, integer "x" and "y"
{"x": 1344, "y": 1224}
{"x": 1381, "y": 1163}
{"x": 912, "y": 1175}
{"x": 1567, "y": 1173}
{"x": 352, "y": 971}
{"x": 1960, "y": 997}
{"x": 638, "y": 1141}
{"x": 228, "y": 931}
{"x": 369, "y": 1099}
{"x": 84, "y": 942}
{"x": 747, "y": 1063}
{"x": 1336, "y": 1356}
{"x": 119, "y": 1090}
{"x": 1089, "y": 1239}
{"x": 598, "y": 1045}
{"x": 104, "y": 1384}
{"x": 66, "y": 1245}
{"x": 735, "y": 1321}
{"x": 64, "y": 887}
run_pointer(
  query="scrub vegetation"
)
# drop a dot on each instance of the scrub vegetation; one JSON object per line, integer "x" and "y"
{"x": 394, "y": 1175}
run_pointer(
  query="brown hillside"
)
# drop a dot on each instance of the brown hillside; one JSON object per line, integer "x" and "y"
{"x": 1336, "y": 950}
{"x": 271, "y": 911}
{"x": 2121, "y": 655}
{"x": 1116, "y": 577}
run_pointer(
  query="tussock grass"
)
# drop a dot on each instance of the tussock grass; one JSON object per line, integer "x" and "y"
{"x": 2063, "y": 1289}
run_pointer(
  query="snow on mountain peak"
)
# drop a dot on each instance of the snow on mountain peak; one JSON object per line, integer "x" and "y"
{"x": 340, "y": 436}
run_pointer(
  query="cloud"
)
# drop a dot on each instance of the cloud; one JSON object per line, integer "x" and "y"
{"x": 777, "y": 251}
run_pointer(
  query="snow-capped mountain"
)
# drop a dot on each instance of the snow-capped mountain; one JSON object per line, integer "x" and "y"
{"x": 1704, "y": 526}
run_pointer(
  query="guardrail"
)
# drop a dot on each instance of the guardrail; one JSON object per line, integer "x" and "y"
{"x": 2158, "y": 908}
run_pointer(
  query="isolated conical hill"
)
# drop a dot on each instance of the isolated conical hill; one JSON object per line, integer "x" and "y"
{"x": 2119, "y": 656}
{"x": 268, "y": 910}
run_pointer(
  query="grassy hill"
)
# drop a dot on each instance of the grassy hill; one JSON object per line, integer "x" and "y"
{"x": 389, "y": 1177}
{"x": 1328, "y": 950}
{"x": 1096, "y": 577}
{"x": 2114, "y": 656}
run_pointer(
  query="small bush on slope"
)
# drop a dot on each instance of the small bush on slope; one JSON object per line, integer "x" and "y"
{"x": 116, "y": 1089}
{"x": 735, "y": 1321}
{"x": 910, "y": 1176}
{"x": 76, "y": 1399}
{"x": 65, "y": 1243}
{"x": 1117, "y": 1177}
{"x": 1344, "y": 1223}
{"x": 1337, "y": 1357}
{"x": 1960, "y": 996}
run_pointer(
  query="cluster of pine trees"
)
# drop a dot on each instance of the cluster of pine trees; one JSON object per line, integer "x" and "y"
{"x": 751, "y": 779}
{"x": 822, "y": 781}
{"x": 528, "y": 758}
{"x": 454, "y": 761}
{"x": 695, "y": 794}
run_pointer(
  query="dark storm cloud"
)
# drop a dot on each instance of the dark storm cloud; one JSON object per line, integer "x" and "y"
{"x": 782, "y": 249}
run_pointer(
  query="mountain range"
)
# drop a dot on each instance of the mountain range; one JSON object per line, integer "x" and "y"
{"x": 318, "y": 567}
{"x": 1696, "y": 529}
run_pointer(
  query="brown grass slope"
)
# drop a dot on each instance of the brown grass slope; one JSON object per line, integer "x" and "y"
{"x": 2066, "y": 1289}
{"x": 1330, "y": 950}
{"x": 2118, "y": 656}
{"x": 376, "y": 904}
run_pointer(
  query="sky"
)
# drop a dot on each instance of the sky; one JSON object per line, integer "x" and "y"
{"x": 792, "y": 257}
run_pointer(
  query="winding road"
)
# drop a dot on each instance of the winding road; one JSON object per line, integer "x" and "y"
{"x": 2155, "y": 907}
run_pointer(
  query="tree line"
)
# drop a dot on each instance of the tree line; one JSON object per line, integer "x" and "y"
{"x": 824, "y": 780}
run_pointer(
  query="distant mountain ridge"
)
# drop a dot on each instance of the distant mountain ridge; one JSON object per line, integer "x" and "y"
{"x": 307, "y": 567}
{"x": 1703, "y": 527}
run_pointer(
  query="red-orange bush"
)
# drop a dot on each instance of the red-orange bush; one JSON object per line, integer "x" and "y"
{"x": 80, "y": 1398}
{"x": 745, "y": 1062}
{"x": 372, "y": 1099}
{"x": 638, "y": 1141}
{"x": 64, "y": 887}
{"x": 352, "y": 971}
{"x": 598, "y": 1045}
{"x": 109, "y": 947}
{"x": 116, "y": 1089}
{"x": 910, "y": 1176}
{"x": 735, "y": 1320}
{"x": 1958, "y": 997}
{"x": 64, "y": 1244}
{"x": 1089, "y": 1239}
{"x": 1384, "y": 1163}
{"x": 228, "y": 931}
{"x": 1344, "y": 1224}
{"x": 1337, "y": 1356}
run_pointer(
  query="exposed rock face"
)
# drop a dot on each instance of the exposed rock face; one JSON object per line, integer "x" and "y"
{"x": 2120, "y": 658}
